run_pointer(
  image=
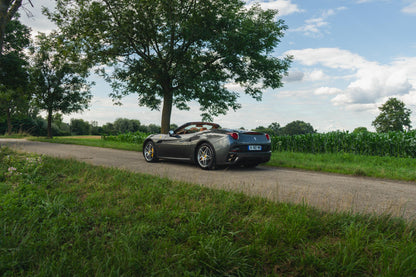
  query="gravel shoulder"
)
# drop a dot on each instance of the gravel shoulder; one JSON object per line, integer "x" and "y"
{"x": 330, "y": 192}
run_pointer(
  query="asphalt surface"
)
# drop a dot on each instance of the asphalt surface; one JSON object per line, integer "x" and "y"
{"x": 330, "y": 192}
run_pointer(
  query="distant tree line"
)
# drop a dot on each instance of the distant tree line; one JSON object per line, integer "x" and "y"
{"x": 37, "y": 126}
{"x": 297, "y": 127}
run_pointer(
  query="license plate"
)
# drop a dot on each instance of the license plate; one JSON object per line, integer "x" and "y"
{"x": 254, "y": 147}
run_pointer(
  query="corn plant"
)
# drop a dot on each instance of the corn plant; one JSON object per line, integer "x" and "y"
{"x": 137, "y": 137}
{"x": 396, "y": 144}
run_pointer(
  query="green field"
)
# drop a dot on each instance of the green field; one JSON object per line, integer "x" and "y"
{"x": 67, "y": 218}
{"x": 344, "y": 163}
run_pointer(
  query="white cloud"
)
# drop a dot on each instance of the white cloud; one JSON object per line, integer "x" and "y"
{"x": 298, "y": 76}
{"x": 372, "y": 82}
{"x": 328, "y": 57}
{"x": 410, "y": 9}
{"x": 314, "y": 26}
{"x": 285, "y": 7}
{"x": 315, "y": 75}
{"x": 327, "y": 91}
{"x": 294, "y": 76}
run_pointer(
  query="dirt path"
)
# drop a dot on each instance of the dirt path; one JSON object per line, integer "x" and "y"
{"x": 325, "y": 191}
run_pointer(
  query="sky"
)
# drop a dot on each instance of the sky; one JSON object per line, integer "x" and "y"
{"x": 350, "y": 56}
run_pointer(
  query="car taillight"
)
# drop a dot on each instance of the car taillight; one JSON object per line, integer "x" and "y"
{"x": 267, "y": 137}
{"x": 234, "y": 135}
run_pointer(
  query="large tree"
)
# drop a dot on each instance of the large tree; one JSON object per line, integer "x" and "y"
{"x": 8, "y": 9}
{"x": 60, "y": 82}
{"x": 170, "y": 52}
{"x": 394, "y": 116}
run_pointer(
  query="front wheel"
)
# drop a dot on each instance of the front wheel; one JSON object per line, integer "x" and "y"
{"x": 149, "y": 152}
{"x": 205, "y": 156}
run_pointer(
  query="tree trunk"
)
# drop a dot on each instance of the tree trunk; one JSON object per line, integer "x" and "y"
{"x": 49, "y": 124}
{"x": 166, "y": 111}
{"x": 9, "y": 122}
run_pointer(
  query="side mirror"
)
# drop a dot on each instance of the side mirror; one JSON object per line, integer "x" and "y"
{"x": 171, "y": 133}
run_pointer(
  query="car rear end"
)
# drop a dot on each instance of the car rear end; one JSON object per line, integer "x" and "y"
{"x": 248, "y": 148}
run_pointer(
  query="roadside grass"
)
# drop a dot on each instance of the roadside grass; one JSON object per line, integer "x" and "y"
{"x": 67, "y": 218}
{"x": 343, "y": 163}
{"x": 15, "y": 135}
{"x": 91, "y": 141}
{"x": 351, "y": 164}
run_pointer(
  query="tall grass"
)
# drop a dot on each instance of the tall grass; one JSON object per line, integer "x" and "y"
{"x": 66, "y": 218}
{"x": 394, "y": 144}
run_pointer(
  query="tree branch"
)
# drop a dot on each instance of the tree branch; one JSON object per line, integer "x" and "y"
{"x": 129, "y": 38}
{"x": 12, "y": 11}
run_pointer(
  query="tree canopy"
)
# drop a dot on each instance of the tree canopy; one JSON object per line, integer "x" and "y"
{"x": 171, "y": 52}
{"x": 394, "y": 116}
{"x": 298, "y": 127}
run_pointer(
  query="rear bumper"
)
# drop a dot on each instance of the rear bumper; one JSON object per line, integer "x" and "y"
{"x": 247, "y": 157}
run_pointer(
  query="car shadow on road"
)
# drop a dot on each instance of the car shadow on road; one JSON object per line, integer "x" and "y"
{"x": 233, "y": 168}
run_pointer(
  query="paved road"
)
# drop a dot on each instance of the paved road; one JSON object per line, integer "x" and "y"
{"x": 325, "y": 191}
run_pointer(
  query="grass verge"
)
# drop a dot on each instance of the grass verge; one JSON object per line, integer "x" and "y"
{"x": 61, "y": 217}
{"x": 351, "y": 164}
{"x": 90, "y": 141}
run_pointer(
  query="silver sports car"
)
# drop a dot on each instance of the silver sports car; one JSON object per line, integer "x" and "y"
{"x": 209, "y": 145}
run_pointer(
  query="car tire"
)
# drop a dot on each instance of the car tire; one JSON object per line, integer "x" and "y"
{"x": 149, "y": 152}
{"x": 205, "y": 156}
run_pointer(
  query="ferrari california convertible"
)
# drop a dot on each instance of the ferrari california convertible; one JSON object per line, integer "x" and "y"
{"x": 208, "y": 145}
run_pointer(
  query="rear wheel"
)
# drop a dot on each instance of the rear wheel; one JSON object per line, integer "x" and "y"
{"x": 149, "y": 152}
{"x": 205, "y": 156}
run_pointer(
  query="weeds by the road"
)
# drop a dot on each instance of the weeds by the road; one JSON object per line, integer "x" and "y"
{"x": 61, "y": 217}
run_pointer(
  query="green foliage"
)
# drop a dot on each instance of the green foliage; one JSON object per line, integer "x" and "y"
{"x": 14, "y": 77}
{"x": 360, "y": 130}
{"x": 59, "y": 80}
{"x": 61, "y": 217}
{"x": 8, "y": 12}
{"x": 80, "y": 127}
{"x": 124, "y": 125}
{"x": 395, "y": 144}
{"x": 394, "y": 117}
{"x": 137, "y": 137}
{"x": 347, "y": 163}
{"x": 17, "y": 37}
{"x": 178, "y": 51}
{"x": 297, "y": 127}
{"x": 273, "y": 129}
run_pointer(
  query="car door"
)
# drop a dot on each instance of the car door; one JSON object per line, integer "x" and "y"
{"x": 175, "y": 146}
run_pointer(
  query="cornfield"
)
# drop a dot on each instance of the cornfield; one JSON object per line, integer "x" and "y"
{"x": 395, "y": 144}
{"x": 137, "y": 137}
